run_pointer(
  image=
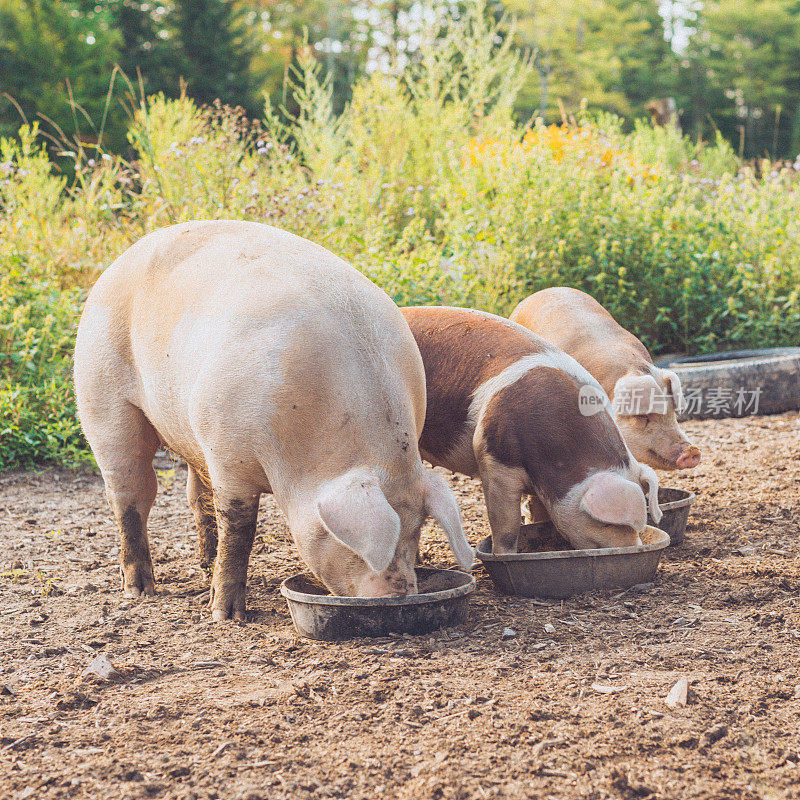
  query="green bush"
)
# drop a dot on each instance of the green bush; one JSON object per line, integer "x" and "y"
{"x": 38, "y": 421}
{"x": 428, "y": 185}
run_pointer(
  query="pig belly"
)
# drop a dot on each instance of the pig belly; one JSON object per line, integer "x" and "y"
{"x": 460, "y": 458}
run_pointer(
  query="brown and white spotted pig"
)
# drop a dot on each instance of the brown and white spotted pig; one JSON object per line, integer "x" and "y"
{"x": 269, "y": 365}
{"x": 644, "y": 397}
{"x": 503, "y": 405}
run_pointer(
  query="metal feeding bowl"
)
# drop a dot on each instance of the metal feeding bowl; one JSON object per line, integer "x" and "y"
{"x": 674, "y": 505}
{"x": 442, "y": 602}
{"x": 561, "y": 573}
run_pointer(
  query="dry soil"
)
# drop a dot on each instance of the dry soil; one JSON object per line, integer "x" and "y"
{"x": 570, "y": 703}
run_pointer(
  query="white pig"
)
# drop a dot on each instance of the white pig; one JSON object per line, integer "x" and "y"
{"x": 269, "y": 365}
{"x": 644, "y": 397}
{"x": 504, "y": 405}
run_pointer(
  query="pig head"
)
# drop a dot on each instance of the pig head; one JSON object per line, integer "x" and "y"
{"x": 608, "y": 508}
{"x": 645, "y": 407}
{"x": 359, "y": 544}
{"x": 593, "y": 489}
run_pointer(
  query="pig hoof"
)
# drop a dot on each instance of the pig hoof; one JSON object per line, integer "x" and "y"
{"x": 227, "y": 602}
{"x": 137, "y": 580}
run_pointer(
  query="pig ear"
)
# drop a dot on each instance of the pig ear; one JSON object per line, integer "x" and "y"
{"x": 614, "y": 500}
{"x": 674, "y": 383}
{"x": 638, "y": 394}
{"x": 356, "y": 513}
{"x": 649, "y": 482}
{"x": 441, "y": 505}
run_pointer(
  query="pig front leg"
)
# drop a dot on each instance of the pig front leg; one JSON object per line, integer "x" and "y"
{"x": 236, "y": 524}
{"x": 502, "y": 490}
{"x": 201, "y": 499}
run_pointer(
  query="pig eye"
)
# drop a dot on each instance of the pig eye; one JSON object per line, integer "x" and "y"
{"x": 643, "y": 418}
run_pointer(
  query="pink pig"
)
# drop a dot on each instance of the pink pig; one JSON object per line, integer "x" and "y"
{"x": 269, "y": 365}
{"x": 644, "y": 398}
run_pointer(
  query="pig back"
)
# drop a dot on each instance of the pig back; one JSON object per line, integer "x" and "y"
{"x": 580, "y": 326}
{"x": 240, "y": 328}
{"x": 461, "y": 350}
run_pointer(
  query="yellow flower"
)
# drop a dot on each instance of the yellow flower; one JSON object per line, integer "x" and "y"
{"x": 582, "y": 143}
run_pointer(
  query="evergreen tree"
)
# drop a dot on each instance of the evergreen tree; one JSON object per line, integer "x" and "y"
{"x": 44, "y": 49}
{"x": 218, "y": 48}
{"x": 148, "y": 46}
{"x": 745, "y": 58}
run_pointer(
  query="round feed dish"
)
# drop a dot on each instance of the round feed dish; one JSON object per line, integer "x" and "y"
{"x": 443, "y": 602}
{"x": 564, "y": 573}
{"x": 675, "y": 505}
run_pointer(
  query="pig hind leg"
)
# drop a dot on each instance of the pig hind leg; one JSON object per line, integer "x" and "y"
{"x": 236, "y": 524}
{"x": 124, "y": 452}
{"x": 201, "y": 499}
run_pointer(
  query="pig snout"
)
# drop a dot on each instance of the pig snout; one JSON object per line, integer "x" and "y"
{"x": 688, "y": 458}
{"x": 656, "y": 440}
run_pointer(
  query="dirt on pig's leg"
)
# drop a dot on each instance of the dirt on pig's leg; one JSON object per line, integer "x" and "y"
{"x": 136, "y": 568}
{"x": 201, "y": 499}
{"x": 124, "y": 453}
{"x": 236, "y": 524}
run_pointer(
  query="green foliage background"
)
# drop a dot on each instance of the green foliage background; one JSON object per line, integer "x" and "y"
{"x": 426, "y": 182}
{"x": 730, "y": 65}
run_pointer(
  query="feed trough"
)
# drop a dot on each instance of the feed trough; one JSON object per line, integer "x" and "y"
{"x": 675, "y": 505}
{"x": 564, "y": 573}
{"x": 442, "y": 602}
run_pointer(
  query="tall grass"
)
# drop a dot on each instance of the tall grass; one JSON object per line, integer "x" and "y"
{"x": 428, "y": 185}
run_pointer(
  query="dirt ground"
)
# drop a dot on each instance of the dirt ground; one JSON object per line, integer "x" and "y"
{"x": 572, "y": 705}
